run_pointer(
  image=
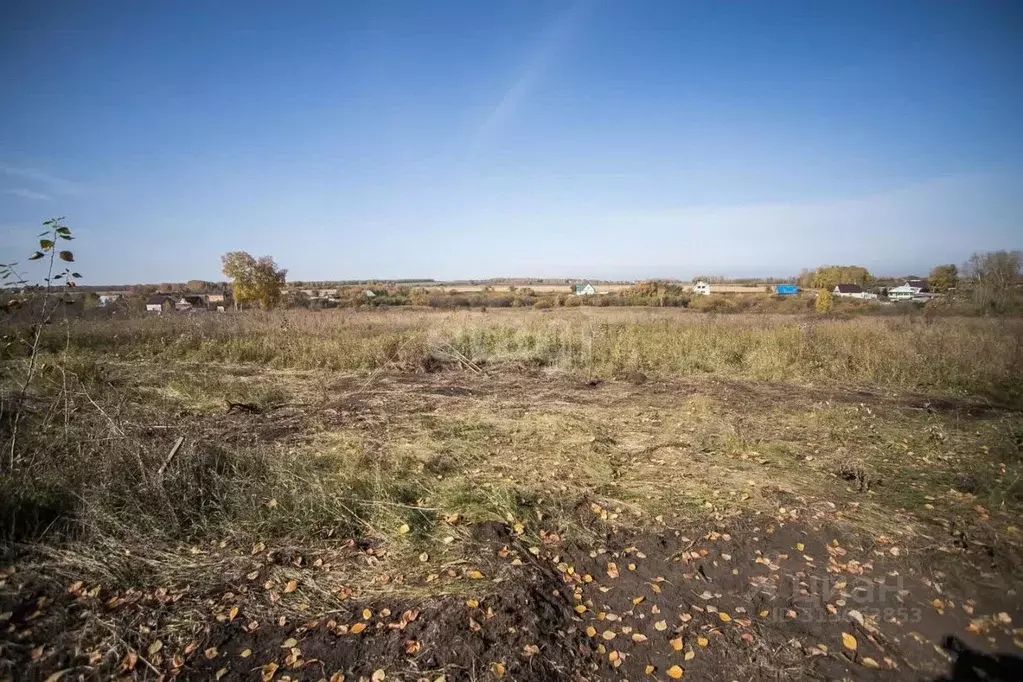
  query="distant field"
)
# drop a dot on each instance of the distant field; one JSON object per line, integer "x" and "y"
{"x": 538, "y": 288}
{"x": 566, "y": 288}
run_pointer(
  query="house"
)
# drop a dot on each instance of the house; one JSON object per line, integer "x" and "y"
{"x": 786, "y": 289}
{"x": 155, "y": 303}
{"x": 219, "y": 297}
{"x": 368, "y": 293}
{"x": 701, "y": 288}
{"x": 584, "y": 289}
{"x": 107, "y": 299}
{"x": 909, "y": 291}
{"x": 190, "y": 303}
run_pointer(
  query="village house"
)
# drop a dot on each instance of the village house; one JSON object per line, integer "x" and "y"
{"x": 913, "y": 289}
{"x": 585, "y": 289}
{"x": 701, "y": 288}
{"x": 852, "y": 291}
{"x": 156, "y": 303}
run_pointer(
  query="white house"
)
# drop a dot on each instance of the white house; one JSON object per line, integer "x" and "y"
{"x": 701, "y": 288}
{"x": 584, "y": 289}
{"x": 907, "y": 292}
{"x": 368, "y": 293}
{"x": 154, "y": 304}
{"x": 107, "y": 299}
{"x": 852, "y": 291}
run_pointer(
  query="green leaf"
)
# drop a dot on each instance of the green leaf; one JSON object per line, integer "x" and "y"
{"x": 67, "y": 256}
{"x": 36, "y": 256}
{"x": 63, "y": 230}
{"x": 76, "y": 275}
{"x": 65, "y": 236}
{"x": 45, "y": 244}
{"x": 61, "y": 275}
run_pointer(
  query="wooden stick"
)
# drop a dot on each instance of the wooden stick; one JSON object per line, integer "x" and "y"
{"x": 170, "y": 456}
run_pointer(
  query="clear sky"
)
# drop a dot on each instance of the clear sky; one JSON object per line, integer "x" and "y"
{"x": 602, "y": 138}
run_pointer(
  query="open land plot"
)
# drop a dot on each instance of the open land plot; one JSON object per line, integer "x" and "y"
{"x": 585, "y": 494}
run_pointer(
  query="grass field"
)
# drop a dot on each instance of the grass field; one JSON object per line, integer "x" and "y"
{"x": 608, "y": 494}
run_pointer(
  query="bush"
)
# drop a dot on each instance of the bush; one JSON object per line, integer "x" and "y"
{"x": 825, "y": 301}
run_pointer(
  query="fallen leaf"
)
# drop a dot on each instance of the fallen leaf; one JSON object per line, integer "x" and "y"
{"x": 475, "y": 575}
{"x": 608, "y": 635}
{"x": 636, "y": 601}
{"x": 579, "y": 608}
{"x": 660, "y": 626}
{"x": 154, "y": 647}
{"x": 233, "y": 613}
{"x": 498, "y": 669}
{"x": 690, "y": 655}
{"x": 357, "y": 628}
{"x": 649, "y": 670}
{"x": 870, "y": 663}
{"x": 403, "y": 528}
{"x": 412, "y": 647}
{"x": 378, "y": 675}
{"x": 530, "y": 650}
{"x": 724, "y": 617}
{"x": 675, "y": 672}
{"x": 129, "y": 660}
{"x": 848, "y": 641}
{"x": 612, "y": 570}
{"x": 289, "y": 642}
{"x": 366, "y": 614}
{"x": 800, "y": 546}
{"x": 210, "y": 653}
{"x": 220, "y": 673}
{"x": 676, "y": 644}
{"x": 246, "y": 653}
{"x": 291, "y": 586}
{"x": 472, "y": 603}
{"x": 268, "y": 671}
{"x": 639, "y": 637}
{"x": 702, "y": 641}
{"x": 591, "y": 631}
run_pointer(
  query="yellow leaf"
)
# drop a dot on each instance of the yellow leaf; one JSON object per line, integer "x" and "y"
{"x": 649, "y": 670}
{"x": 366, "y": 614}
{"x": 848, "y": 641}
{"x": 246, "y": 653}
{"x": 637, "y": 600}
{"x": 724, "y": 616}
{"x": 591, "y": 631}
{"x": 378, "y": 675}
{"x": 639, "y": 637}
{"x": 55, "y": 677}
{"x": 608, "y": 635}
{"x": 289, "y": 642}
{"x": 291, "y": 586}
{"x": 690, "y": 655}
{"x": 403, "y": 528}
{"x": 155, "y": 646}
{"x": 498, "y": 669}
{"x": 870, "y": 663}
{"x": 357, "y": 628}
{"x": 763, "y": 614}
{"x": 220, "y": 673}
{"x": 211, "y": 652}
{"x": 269, "y": 670}
{"x": 475, "y": 575}
{"x": 800, "y": 546}
{"x": 232, "y": 613}
{"x": 676, "y": 644}
{"x": 472, "y": 603}
{"x": 660, "y": 626}
{"x": 612, "y": 569}
{"x": 675, "y": 672}
{"x": 579, "y": 608}
{"x": 702, "y": 641}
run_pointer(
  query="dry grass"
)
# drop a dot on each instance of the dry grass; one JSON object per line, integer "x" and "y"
{"x": 355, "y": 441}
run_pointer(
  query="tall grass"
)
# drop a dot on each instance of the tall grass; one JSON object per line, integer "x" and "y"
{"x": 947, "y": 355}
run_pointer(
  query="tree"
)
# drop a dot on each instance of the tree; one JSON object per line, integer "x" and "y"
{"x": 828, "y": 276}
{"x": 993, "y": 277}
{"x": 944, "y": 277}
{"x": 259, "y": 281}
{"x": 825, "y": 300}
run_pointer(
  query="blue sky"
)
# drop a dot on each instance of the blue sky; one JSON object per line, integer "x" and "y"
{"x": 601, "y": 138}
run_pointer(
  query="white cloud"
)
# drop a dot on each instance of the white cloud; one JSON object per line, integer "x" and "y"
{"x": 555, "y": 36}
{"x": 51, "y": 182}
{"x": 27, "y": 194}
